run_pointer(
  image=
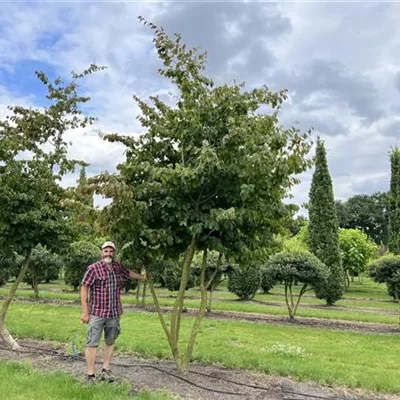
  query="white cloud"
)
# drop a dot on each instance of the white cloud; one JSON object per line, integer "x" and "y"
{"x": 339, "y": 61}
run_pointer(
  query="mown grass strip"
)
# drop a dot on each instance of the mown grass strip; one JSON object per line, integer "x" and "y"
{"x": 369, "y": 361}
{"x": 19, "y": 381}
{"x": 247, "y": 306}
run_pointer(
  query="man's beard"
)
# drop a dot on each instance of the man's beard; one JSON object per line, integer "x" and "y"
{"x": 108, "y": 259}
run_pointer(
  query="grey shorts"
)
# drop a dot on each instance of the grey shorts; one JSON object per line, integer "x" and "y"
{"x": 97, "y": 325}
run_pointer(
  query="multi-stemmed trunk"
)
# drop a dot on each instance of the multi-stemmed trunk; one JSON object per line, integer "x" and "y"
{"x": 144, "y": 293}
{"x": 35, "y": 286}
{"x": 212, "y": 285}
{"x": 137, "y": 294}
{"x": 182, "y": 359}
{"x": 291, "y": 304}
{"x": 4, "y": 333}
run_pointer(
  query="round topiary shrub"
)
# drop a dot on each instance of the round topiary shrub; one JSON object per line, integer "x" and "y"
{"x": 387, "y": 270}
{"x": 172, "y": 276}
{"x": 4, "y": 275}
{"x": 244, "y": 283}
{"x": 79, "y": 257}
{"x": 300, "y": 269}
{"x": 267, "y": 280}
{"x": 212, "y": 265}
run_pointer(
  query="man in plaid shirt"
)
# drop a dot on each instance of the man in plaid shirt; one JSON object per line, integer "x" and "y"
{"x": 104, "y": 281}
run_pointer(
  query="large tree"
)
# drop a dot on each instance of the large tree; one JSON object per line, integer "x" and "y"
{"x": 323, "y": 227}
{"x": 369, "y": 213}
{"x": 394, "y": 202}
{"x": 210, "y": 172}
{"x": 43, "y": 267}
{"x": 357, "y": 251}
{"x": 33, "y": 160}
{"x": 82, "y": 215}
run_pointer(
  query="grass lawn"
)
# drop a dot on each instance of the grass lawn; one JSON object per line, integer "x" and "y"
{"x": 244, "y": 306}
{"x": 225, "y": 301}
{"x": 368, "y": 361}
{"x": 19, "y": 381}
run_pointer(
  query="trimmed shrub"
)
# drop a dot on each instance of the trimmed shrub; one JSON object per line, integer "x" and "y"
{"x": 79, "y": 257}
{"x": 296, "y": 268}
{"x": 267, "y": 280}
{"x": 172, "y": 273}
{"x": 44, "y": 267}
{"x": 387, "y": 270}
{"x": 244, "y": 283}
{"x": 9, "y": 266}
{"x": 212, "y": 264}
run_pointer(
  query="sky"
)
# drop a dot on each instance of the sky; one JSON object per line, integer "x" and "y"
{"x": 338, "y": 60}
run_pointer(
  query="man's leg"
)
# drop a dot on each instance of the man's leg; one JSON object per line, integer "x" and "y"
{"x": 108, "y": 352}
{"x": 90, "y": 353}
{"x": 95, "y": 328}
{"x": 111, "y": 332}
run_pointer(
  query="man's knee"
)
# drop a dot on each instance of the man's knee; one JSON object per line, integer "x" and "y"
{"x": 96, "y": 325}
{"x": 112, "y": 330}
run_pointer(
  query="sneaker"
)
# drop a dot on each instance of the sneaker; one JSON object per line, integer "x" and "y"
{"x": 107, "y": 375}
{"x": 90, "y": 380}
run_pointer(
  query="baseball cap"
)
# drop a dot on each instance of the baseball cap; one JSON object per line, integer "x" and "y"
{"x": 108, "y": 244}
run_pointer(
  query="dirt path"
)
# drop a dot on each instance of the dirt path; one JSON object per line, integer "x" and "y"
{"x": 153, "y": 374}
{"x": 362, "y": 327}
{"x": 330, "y": 308}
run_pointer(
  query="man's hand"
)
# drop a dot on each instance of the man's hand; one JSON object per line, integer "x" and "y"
{"x": 85, "y": 318}
{"x": 144, "y": 277}
{"x": 139, "y": 277}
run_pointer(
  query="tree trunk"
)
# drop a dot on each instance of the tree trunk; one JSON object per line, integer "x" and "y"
{"x": 178, "y": 305}
{"x": 144, "y": 293}
{"x": 173, "y": 345}
{"x": 199, "y": 317}
{"x": 210, "y": 299}
{"x": 302, "y": 291}
{"x": 138, "y": 293}
{"x": 4, "y": 333}
{"x": 347, "y": 280}
{"x": 7, "y": 338}
{"x": 210, "y": 282}
{"x": 35, "y": 286}
{"x": 172, "y": 333}
{"x": 287, "y": 301}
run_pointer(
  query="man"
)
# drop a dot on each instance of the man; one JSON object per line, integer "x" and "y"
{"x": 104, "y": 280}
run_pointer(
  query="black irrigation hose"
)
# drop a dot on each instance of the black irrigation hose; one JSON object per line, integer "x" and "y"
{"x": 259, "y": 387}
{"x": 55, "y": 352}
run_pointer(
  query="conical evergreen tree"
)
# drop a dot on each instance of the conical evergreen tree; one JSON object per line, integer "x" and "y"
{"x": 82, "y": 194}
{"x": 323, "y": 228}
{"x": 394, "y": 202}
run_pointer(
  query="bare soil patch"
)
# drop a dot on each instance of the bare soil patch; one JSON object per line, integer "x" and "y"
{"x": 202, "y": 383}
{"x": 334, "y": 307}
{"x": 361, "y": 327}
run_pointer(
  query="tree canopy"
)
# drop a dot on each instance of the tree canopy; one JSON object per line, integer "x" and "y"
{"x": 210, "y": 171}
{"x": 33, "y": 160}
{"x": 369, "y": 213}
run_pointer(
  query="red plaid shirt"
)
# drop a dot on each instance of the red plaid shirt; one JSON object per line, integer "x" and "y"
{"x": 105, "y": 288}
